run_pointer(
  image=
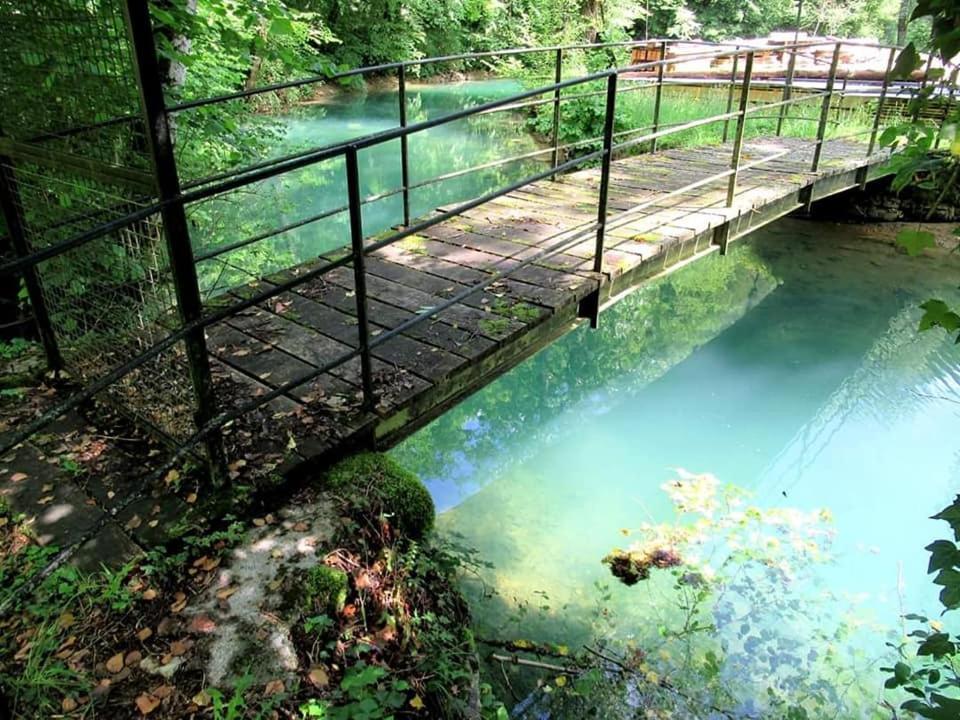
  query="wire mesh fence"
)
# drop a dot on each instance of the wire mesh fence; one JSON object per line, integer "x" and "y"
{"x": 75, "y": 157}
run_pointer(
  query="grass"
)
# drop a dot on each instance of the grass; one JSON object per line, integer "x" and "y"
{"x": 582, "y": 118}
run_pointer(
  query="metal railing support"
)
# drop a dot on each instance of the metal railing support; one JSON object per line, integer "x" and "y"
{"x": 404, "y": 150}
{"x": 741, "y": 126}
{"x": 730, "y": 92}
{"x": 659, "y": 96}
{"x": 11, "y": 207}
{"x": 557, "y": 77}
{"x": 838, "y": 108}
{"x": 787, "y": 89}
{"x": 359, "y": 275}
{"x": 825, "y": 109}
{"x": 883, "y": 96}
{"x": 919, "y": 101}
{"x": 608, "y": 124}
{"x": 175, "y": 228}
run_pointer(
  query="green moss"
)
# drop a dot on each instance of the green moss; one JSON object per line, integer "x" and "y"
{"x": 389, "y": 489}
{"x": 325, "y": 589}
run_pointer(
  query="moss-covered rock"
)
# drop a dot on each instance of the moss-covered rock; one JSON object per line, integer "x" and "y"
{"x": 389, "y": 488}
{"x": 325, "y": 589}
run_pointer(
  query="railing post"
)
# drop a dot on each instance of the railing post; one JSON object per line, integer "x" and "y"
{"x": 12, "y": 214}
{"x": 787, "y": 89}
{"x": 738, "y": 137}
{"x": 175, "y": 228}
{"x": 952, "y": 81}
{"x": 359, "y": 275}
{"x": 730, "y": 91}
{"x": 838, "y": 109}
{"x": 608, "y": 125}
{"x": 923, "y": 86}
{"x": 825, "y": 109}
{"x": 659, "y": 96}
{"x": 883, "y": 96}
{"x": 404, "y": 151}
{"x": 557, "y": 78}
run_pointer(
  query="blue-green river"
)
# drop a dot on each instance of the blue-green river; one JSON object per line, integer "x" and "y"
{"x": 791, "y": 369}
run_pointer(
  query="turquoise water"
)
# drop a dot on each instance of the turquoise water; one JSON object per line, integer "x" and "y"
{"x": 299, "y": 195}
{"x": 791, "y": 369}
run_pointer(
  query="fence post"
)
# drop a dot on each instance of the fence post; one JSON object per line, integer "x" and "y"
{"x": 359, "y": 275}
{"x": 738, "y": 137}
{"x": 557, "y": 78}
{"x": 825, "y": 110}
{"x": 608, "y": 125}
{"x": 952, "y": 81}
{"x": 659, "y": 95}
{"x": 175, "y": 228}
{"x": 404, "y": 151}
{"x": 883, "y": 96}
{"x": 730, "y": 91}
{"x": 787, "y": 89}
{"x": 12, "y": 213}
{"x": 923, "y": 86}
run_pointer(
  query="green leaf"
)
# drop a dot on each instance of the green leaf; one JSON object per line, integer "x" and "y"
{"x": 937, "y": 646}
{"x": 907, "y": 62}
{"x": 281, "y": 26}
{"x": 943, "y": 554}
{"x": 937, "y": 314}
{"x": 902, "y": 672}
{"x": 915, "y": 241}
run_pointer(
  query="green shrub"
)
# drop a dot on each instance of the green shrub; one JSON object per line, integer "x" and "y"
{"x": 325, "y": 588}
{"x": 390, "y": 489}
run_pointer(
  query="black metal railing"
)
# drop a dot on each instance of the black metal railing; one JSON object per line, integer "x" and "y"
{"x": 173, "y": 197}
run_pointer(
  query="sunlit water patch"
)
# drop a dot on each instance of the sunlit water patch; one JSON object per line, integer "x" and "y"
{"x": 791, "y": 369}
{"x": 295, "y": 198}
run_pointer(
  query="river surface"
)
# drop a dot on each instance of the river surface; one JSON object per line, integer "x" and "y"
{"x": 300, "y": 195}
{"x": 791, "y": 369}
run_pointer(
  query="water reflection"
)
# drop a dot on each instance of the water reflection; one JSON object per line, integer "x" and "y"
{"x": 791, "y": 368}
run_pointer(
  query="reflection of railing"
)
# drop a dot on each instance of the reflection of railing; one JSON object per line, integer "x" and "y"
{"x": 172, "y": 199}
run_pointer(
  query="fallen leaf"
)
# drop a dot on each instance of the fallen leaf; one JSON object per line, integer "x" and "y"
{"x": 259, "y": 522}
{"x": 226, "y": 592}
{"x": 45, "y": 500}
{"x": 115, "y": 663}
{"x": 171, "y": 477}
{"x": 417, "y": 703}
{"x": 301, "y": 527}
{"x": 149, "y": 594}
{"x": 132, "y": 658}
{"x": 18, "y": 477}
{"x": 318, "y": 677}
{"x": 202, "y": 624}
{"x": 134, "y": 522}
{"x": 147, "y": 703}
{"x": 191, "y": 498}
{"x": 46, "y": 488}
{"x": 162, "y": 692}
{"x": 180, "y": 647}
{"x": 201, "y": 699}
{"x": 66, "y": 620}
{"x": 68, "y": 705}
{"x": 144, "y": 634}
{"x": 180, "y": 602}
{"x": 274, "y": 687}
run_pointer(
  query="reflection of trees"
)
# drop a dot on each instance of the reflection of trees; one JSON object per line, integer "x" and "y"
{"x": 301, "y": 194}
{"x": 886, "y": 386}
{"x": 639, "y": 340}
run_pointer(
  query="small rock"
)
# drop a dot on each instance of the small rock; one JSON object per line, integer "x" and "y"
{"x": 167, "y": 671}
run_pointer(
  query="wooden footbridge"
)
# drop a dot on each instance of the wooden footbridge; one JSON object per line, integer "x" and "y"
{"x": 363, "y": 345}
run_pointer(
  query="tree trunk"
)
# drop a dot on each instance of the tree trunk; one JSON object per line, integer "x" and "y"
{"x": 903, "y": 17}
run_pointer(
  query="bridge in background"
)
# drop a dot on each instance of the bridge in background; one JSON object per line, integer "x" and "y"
{"x": 364, "y": 344}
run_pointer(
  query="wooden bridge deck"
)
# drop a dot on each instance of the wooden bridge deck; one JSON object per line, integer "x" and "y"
{"x": 421, "y": 372}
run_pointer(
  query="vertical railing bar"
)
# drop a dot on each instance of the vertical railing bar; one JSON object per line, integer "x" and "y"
{"x": 741, "y": 125}
{"x": 608, "y": 125}
{"x": 175, "y": 227}
{"x": 659, "y": 96}
{"x": 404, "y": 150}
{"x": 883, "y": 96}
{"x": 838, "y": 109}
{"x": 825, "y": 109}
{"x": 787, "y": 90}
{"x": 923, "y": 86}
{"x": 11, "y": 207}
{"x": 952, "y": 81}
{"x": 557, "y": 78}
{"x": 359, "y": 275}
{"x": 730, "y": 92}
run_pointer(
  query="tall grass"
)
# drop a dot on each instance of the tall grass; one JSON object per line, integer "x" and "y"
{"x": 581, "y": 118}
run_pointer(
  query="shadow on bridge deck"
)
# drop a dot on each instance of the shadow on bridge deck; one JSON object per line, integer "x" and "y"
{"x": 653, "y": 226}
